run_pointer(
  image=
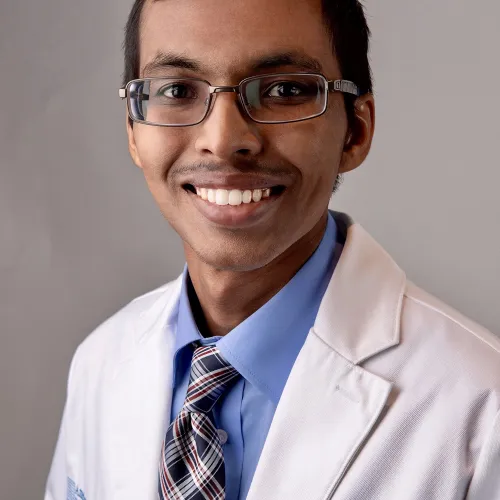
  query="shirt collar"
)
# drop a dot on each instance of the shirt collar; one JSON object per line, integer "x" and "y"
{"x": 187, "y": 330}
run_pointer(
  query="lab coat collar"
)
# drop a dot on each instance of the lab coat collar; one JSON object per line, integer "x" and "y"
{"x": 360, "y": 311}
{"x": 157, "y": 319}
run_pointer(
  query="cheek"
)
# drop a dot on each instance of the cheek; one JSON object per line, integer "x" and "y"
{"x": 158, "y": 149}
{"x": 315, "y": 148}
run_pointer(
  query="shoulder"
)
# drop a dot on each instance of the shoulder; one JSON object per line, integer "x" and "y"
{"x": 458, "y": 342}
{"x": 112, "y": 338}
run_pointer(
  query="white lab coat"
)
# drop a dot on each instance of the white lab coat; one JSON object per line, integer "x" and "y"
{"x": 394, "y": 396}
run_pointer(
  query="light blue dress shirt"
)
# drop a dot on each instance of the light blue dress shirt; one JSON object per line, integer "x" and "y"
{"x": 263, "y": 349}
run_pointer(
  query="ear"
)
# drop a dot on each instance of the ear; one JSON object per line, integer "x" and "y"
{"x": 360, "y": 134}
{"x": 132, "y": 147}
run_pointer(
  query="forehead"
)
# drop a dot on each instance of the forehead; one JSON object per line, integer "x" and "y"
{"x": 227, "y": 36}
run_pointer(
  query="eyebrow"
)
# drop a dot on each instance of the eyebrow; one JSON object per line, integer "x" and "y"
{"x": 164, "y": 60}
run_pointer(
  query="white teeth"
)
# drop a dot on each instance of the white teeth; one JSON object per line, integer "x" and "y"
{"x": 222, "y": 197}
{"x": 234, "y": 197}
{"x": 257, "y": 195}
{"x": 247, "y": 196}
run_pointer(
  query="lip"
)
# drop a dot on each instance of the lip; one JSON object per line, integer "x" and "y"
{"x": 232, "y": 186}
{"x": 235, "y": 217}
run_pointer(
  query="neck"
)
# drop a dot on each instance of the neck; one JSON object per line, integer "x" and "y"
{"x": 222, "y": 299}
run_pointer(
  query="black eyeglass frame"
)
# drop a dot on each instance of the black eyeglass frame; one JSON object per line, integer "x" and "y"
{"x": 343, "y": 86}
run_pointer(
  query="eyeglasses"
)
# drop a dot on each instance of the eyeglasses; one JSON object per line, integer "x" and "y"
{"x": 277, "y": 98}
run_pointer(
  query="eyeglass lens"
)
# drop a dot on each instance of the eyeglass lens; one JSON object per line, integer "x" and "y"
{"x": 275, "y": 98}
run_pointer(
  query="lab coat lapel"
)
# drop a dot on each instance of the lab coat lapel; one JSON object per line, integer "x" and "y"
{"x": 330, "y": 404}
{"x": 142, "y": 385}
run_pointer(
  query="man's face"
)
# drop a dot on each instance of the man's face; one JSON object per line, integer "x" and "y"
{"x": 298, "y": 161}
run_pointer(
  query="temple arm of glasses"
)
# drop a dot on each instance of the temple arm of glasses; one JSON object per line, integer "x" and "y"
{"x": 123, "y": 94}
{"x": 344, "y": 86}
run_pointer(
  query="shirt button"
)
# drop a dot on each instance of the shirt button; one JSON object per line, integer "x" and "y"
{"x": 222, "y": 436}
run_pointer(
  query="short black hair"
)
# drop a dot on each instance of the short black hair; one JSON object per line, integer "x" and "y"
{"x": 350, "y": 35}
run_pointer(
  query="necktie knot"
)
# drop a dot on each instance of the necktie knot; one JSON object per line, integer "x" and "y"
{"x": 211, "y": 375}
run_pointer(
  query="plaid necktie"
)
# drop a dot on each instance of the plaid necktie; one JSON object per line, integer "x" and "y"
{"x": 192, "y": 460}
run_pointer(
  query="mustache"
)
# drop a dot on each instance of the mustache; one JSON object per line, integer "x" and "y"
{"x": 252, "y": 167}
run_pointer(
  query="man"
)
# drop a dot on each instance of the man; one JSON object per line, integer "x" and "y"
{"x": 292, "y": 359}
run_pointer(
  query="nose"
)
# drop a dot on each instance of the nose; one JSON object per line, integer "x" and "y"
{"x": 227, "y": 130}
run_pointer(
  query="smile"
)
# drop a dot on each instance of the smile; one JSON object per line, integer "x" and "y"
{"x": 227, "y": 206}
{"x": 233, "y": 197}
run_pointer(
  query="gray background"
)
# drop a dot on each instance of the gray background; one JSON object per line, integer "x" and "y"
{"x": 81, "y": 236}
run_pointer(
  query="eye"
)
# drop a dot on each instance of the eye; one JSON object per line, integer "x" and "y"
{"x": 177, "y": 90}
{"x": 286, "y": 90}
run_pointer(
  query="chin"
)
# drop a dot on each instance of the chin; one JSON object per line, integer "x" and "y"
{"x": 237, "y": 258}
